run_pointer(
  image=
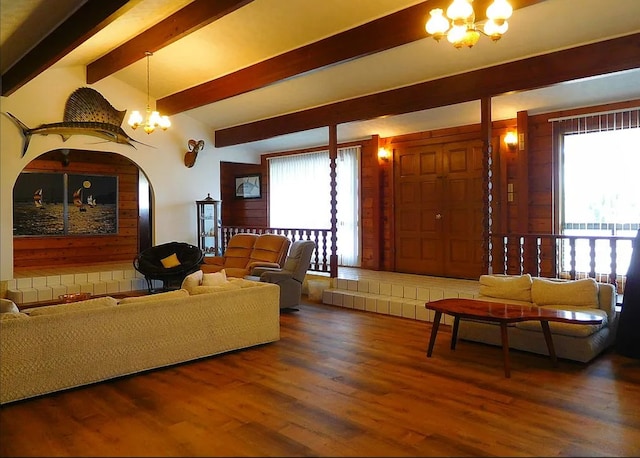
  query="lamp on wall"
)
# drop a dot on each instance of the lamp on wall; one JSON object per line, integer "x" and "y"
{"x": 384, "y": 154}
{"x": 153, "y": 118}
{"x": 511, "y": 140}
{"x": 460, "y": 24}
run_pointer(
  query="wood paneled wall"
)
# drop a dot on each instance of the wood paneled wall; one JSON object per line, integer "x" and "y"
{"x": 447, "y": 135}
{"x": 530, "y": 172}
{"x": 371, "y": 194}
{"x": 29, "y": 251}
{"x": 243, "y": 212}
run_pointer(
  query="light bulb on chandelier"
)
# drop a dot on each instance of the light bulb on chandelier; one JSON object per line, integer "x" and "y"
{"x": 459, "y": 26}
{"x": 153, "y": 118}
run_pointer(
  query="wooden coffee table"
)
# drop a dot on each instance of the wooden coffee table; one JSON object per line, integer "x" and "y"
{"x": 503, "y": 314}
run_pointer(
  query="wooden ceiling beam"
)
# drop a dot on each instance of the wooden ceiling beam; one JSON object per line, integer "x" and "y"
{"x": 595, "y": 59}
{"x": 88, "y": 20}
{"x": 399, "y": 28}
{"x": 192, "y": 17}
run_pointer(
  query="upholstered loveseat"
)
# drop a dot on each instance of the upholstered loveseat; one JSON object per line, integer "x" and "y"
{"x": 571, "y": 341}
{"x": 246, "y": 251}
{"x": 52, "y": 348}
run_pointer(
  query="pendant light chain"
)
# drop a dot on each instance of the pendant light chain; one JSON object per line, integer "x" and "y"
{"x": 153, "y": 118}
{"x": 148, "y": 54}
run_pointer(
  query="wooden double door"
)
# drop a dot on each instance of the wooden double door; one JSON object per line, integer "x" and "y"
{"x": 438, "y": 200}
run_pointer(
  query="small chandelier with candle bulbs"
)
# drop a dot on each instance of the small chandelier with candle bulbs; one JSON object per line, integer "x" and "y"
{"x": 153, "y": 118}
{"x": 460, "y": 24}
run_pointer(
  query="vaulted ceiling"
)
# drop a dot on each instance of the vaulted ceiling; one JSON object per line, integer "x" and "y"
{"x": 268, "y": 75}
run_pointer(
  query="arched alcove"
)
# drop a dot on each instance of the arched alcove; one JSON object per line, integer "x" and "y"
{"x": 91, "y": 207}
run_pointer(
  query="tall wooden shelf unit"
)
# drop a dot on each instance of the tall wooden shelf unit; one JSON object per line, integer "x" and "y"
{"x": 209, "y": 234}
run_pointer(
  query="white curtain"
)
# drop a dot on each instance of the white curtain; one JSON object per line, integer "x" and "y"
{"x": 348, "y": 202}
{"x": 299, "y": 191}
{"x": 300, "y": 196}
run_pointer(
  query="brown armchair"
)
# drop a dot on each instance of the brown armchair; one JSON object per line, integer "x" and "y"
{"x": 246, "y": 251}
{"x": 235, "y": 255}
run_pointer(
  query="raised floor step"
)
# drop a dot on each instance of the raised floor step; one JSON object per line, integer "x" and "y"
{"x": 26, "y": 290}
{"x": 390, "y": 293}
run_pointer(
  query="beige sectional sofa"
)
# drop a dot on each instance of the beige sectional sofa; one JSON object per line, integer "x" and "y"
{"x": 46, "y": 349}
{"x": 574, "y": 342}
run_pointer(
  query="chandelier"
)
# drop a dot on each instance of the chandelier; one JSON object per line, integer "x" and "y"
{"x": 460, "y": 24}
{"x": 153, "y": 118}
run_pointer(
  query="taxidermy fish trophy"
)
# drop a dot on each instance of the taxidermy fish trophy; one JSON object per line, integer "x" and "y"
{"x": 87, "y": 112}
{"x": 191, "y": 155}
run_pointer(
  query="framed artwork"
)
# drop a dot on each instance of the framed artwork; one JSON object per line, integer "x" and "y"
{"x": 248, "y": 186}
{"x": 65, "y": 204}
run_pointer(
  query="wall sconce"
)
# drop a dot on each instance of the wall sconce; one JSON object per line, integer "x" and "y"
{"x": 511, "y": 140}
{"x": 384, "y": 154}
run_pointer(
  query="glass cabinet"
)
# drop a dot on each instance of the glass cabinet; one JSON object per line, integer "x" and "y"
{"x": 209, "y": 226}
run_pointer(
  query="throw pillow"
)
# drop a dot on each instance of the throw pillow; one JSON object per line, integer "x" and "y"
{"x": 213, "y": 279}
{"x": 90, "y": 304}
{"x": 154, "y": 297}
{"x": 8, "y": 306}
{"x": 516, "y": 287}
{"x": 170, "y": 261}
{"x": 582, "y": 293}
{"x": 192, "y": 280}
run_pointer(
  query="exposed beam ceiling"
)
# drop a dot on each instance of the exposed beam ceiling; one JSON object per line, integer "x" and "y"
{"x": 251, "y": 70}
{"x": 586, "y": 61}
{"x": 397, "y": 29}
{"x": 189, "y": 19}
{"x": 88, "y": 20}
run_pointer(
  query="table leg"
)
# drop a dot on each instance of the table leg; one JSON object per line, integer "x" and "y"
{"x": 505, "y": 349}
{"x": 434, "y": 332}
{"x": 454, "y": 332}
{"x": 549, "y": 340}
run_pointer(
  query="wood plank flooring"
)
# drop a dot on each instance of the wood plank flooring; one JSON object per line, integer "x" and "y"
{"x": 343, "y": 382}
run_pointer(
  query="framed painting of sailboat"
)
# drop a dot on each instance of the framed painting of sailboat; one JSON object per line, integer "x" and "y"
{"x": 38, "y": 204}
{"x": 65, "y": 204}
{"x": 93, "y": 204}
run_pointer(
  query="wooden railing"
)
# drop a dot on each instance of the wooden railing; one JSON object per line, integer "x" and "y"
{"x": 562, "y": 256}
{"x": 321, "y": 237}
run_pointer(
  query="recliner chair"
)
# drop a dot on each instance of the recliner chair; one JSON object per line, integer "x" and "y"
{"x": 291, "y": 276}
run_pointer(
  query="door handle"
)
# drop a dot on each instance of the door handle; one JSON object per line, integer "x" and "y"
{"x": 438, "y": 216}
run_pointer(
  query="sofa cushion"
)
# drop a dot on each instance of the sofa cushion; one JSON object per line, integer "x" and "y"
{"x": 170, "y": 261}
{"x": 12, "y": 316}
{"x": 89, "y": 304}
{"x": 8, "y": 306}
{"x": 154, "y": 297}
{"x": 214, "y": 289}
{"x": 514, "y": 287}
{"x": 214, "y": 279}
{"x": 191, "y": 280}
{"x": 243, "y": 282}
{"x": 568, "y": 329}
{"x": 579, "y": 293}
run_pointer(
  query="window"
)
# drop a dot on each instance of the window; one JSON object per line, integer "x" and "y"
{"x": 300, "y": 196}
{"x": 600, "y": 161}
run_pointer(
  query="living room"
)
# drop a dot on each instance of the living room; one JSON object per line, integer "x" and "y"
{"x": 477, "y": 391}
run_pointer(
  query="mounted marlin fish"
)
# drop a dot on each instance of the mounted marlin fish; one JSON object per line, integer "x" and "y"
{"x": 86, "y": 112}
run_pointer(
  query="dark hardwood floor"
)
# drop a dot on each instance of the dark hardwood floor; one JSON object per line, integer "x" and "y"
{"x": 343, "y": 383}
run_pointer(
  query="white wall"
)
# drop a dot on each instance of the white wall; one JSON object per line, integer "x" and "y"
{"x": 175, "y": 187}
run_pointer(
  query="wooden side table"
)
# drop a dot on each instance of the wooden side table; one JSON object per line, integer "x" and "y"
{"x": 503, "y": 314}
